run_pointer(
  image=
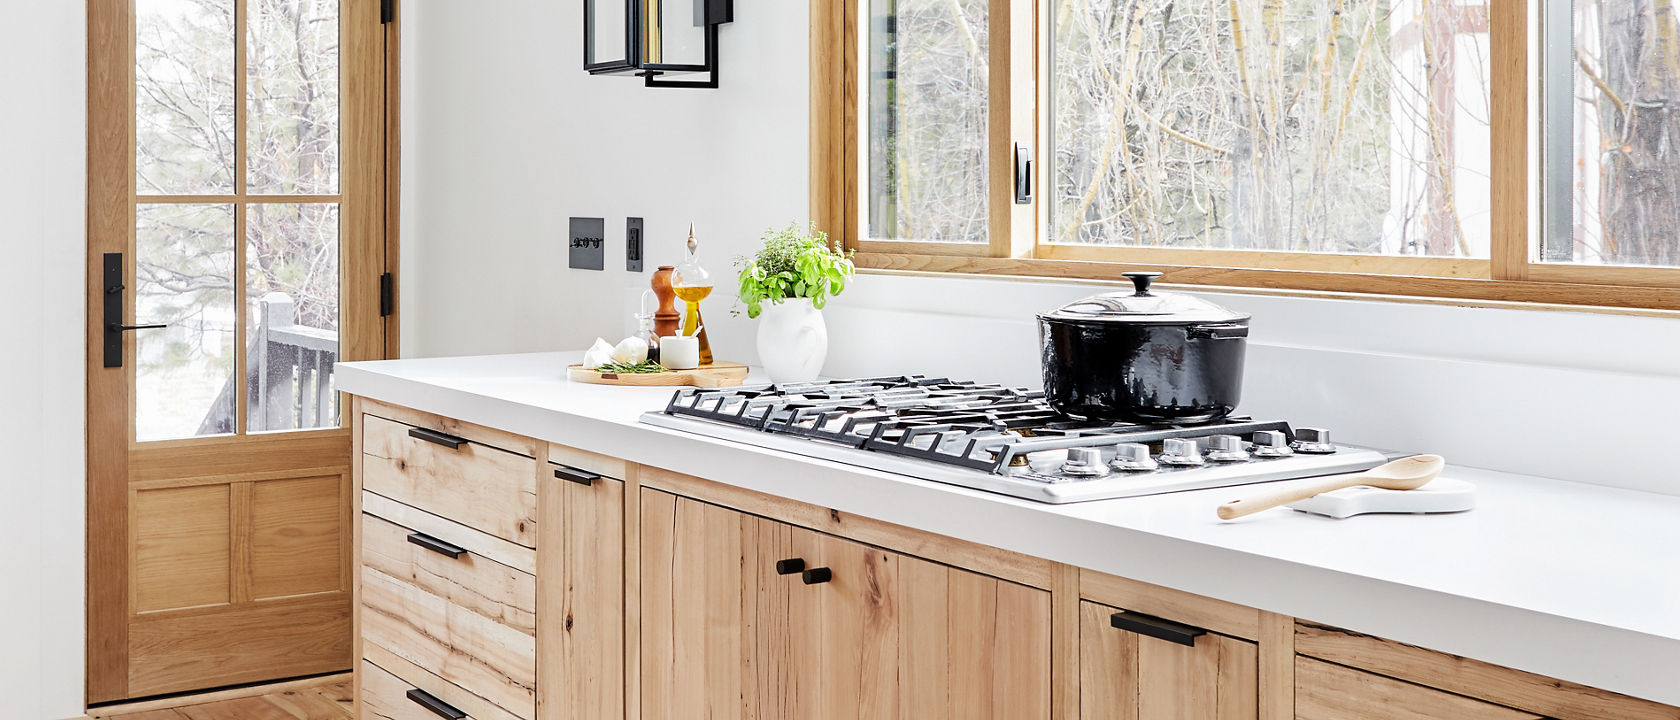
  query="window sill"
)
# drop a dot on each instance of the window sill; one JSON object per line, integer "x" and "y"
{"x": 1510, "y": 294}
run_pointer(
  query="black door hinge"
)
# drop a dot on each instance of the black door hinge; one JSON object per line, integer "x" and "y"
{"x": 387, "y": 11}
{"x": 387, "y": 295}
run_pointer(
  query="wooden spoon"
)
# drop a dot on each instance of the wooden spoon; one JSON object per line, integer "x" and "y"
{"x": 1404, "y": 474}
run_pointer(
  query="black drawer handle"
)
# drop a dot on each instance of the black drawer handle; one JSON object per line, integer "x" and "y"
{"x": 792, "y": 566}
{"x": 430, "y": 702}
{"x": 1157, "y": 628}
{"x": 817, "y": 576}
{"x": 435, "y": 437}
{"x": 572, "y": 474}
{"x": 438, "y": 546}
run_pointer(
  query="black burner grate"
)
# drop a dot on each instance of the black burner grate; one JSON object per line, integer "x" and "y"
{"x": 967, "y": 424}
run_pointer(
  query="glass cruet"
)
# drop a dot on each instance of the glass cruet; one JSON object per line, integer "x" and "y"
{"x": 692, "y": 283}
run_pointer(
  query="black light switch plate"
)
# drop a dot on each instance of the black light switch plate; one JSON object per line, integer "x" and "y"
{"x": 587, "y": 249}
{"x": 633, "y": 244}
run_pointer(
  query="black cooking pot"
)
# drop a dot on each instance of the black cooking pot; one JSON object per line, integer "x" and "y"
{"x": 1143, "y": 356}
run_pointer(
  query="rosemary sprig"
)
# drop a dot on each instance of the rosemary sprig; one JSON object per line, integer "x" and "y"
{"x": 642, "y": 368}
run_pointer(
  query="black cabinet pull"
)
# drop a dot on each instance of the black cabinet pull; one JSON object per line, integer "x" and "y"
{"x": 430, "y": 702}
{"x": 1157, "y": 628}
{"x": 438, "y": 546}
{"x": 791, "y": 566}
{"x": 572, "y": 474}
{"x": 817, "y": 576}
{"x": 437, "y": 438}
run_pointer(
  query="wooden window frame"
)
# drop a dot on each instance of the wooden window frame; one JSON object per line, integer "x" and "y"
{"x": 1510, "y": 275}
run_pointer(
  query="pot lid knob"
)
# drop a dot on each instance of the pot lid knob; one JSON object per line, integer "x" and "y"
{"x": 1141, "y": 280}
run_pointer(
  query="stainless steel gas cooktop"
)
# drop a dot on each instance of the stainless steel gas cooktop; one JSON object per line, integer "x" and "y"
{"x": 1004, "y": 440}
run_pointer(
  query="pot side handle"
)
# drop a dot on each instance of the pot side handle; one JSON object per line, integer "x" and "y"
{"x": 1219, "y": 332}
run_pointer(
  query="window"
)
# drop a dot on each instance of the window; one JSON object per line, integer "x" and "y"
{"x": 1414, "y": 147}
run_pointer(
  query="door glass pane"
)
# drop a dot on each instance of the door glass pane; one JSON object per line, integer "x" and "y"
{"x": 927, "y": 95}
{"x": 183, "y": 114}
{"x": 184, "y": 277}
{"x": 291, "y": 94}
{"x": 1283, "y": 125}
{"x": 1626, "y": 184}
{"x": 292, "y": 311}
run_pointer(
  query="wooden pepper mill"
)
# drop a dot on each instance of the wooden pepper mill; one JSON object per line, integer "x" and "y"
{"x": 666, "y": 320}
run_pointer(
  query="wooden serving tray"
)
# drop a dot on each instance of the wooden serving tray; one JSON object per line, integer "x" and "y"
{"x": 716, "y": 375}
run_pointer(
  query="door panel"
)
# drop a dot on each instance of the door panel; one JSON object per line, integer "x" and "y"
{"x": 182, "y": 556}
{"x": 297, "y": 534}
{"x": 232, "y": 644}
{"x": 971, "y": 646}
{"x": 697, "y": 612}
{"x": 236, "y": 162}
{"x": 858, "y": 654}
{"x": 789, "y": 632}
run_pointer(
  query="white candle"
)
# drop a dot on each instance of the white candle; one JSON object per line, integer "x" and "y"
{"x": 679, "y": 352}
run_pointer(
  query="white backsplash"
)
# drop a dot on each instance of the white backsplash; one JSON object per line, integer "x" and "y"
{"x": 1581, "y": 396}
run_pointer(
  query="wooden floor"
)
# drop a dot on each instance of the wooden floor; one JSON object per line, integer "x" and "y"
{"x": 321, "y": 702}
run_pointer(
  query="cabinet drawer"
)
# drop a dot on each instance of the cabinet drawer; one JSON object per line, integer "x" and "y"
{"x": 1331, "y": 692}
{"x": 1143, "y": 666}
{"x": 469, "y": 620}
{"x": 415, "y": 695}
{"x": 467, "y": 580}
{"x": 477, "y": 485}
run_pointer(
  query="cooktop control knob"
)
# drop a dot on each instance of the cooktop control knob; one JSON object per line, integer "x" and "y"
{"x": 1226, "y": 448}
{"x": 1133, "y": 457}
{"x": 1271, "y": 444}
{"x": 1314, "y": 441}
{"x": 1181, "y": 452}
{"x": 1084, "y": 463}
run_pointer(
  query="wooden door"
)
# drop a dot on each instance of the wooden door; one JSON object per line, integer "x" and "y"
{"x": 1130, "y": 676}
{"x": 236, "y": 185}
{"x": 864, "y": 632}
{"x": 697, "y": 595}
{"x": 971, "y": 646}
{"x": 1324, "y": 691}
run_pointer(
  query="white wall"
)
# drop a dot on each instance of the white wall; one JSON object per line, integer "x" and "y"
{"x": 506, "y": 137}
{"x": 43, "y": 245}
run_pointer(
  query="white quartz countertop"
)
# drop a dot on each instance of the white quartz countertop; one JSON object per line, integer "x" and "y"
{"x": 1573, "y": 581}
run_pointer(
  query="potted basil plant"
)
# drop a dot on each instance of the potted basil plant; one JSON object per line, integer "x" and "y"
{"x": 785, "y": 285}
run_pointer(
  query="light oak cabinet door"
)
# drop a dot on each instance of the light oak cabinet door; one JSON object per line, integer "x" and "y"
{"x": 696, "y": 606}
{"x": 1324, "y": 691}
{"x": 854, "y": 631}
{"x": 580, "y": 628}
{"x": 744, "y": 617}
{"x": 1127, "y": 675}
{"x": 970, "y": 645}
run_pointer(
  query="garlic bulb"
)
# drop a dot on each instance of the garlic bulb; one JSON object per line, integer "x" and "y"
{"x": 598, "y": 354}
{"x": 631, "y": 351}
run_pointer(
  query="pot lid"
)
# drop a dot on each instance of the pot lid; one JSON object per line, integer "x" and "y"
{"x": 1145, "y": 306}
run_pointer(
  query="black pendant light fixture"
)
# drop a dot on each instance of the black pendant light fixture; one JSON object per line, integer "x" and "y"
{"x": 667, "y": 43}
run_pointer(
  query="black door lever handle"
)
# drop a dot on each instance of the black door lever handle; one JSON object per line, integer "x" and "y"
{"x": 119, "y": 327}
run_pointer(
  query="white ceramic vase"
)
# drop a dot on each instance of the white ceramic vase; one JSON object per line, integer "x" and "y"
{"x": 792, "y": 340}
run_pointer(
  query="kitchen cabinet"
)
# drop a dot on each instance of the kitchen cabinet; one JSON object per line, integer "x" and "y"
{"x": 1141, "y": 667}
{"x": 650, "y": 595}
{"x": 1332, "y": 692}
{"x": 749, "y": 617}
{"x": 460, "y": 601}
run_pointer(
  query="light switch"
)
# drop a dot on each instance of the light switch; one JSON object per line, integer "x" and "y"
{"x": 587, "y": 249}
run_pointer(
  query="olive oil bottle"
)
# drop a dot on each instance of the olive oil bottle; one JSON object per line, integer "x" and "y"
{"x": 692, "y": 283}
